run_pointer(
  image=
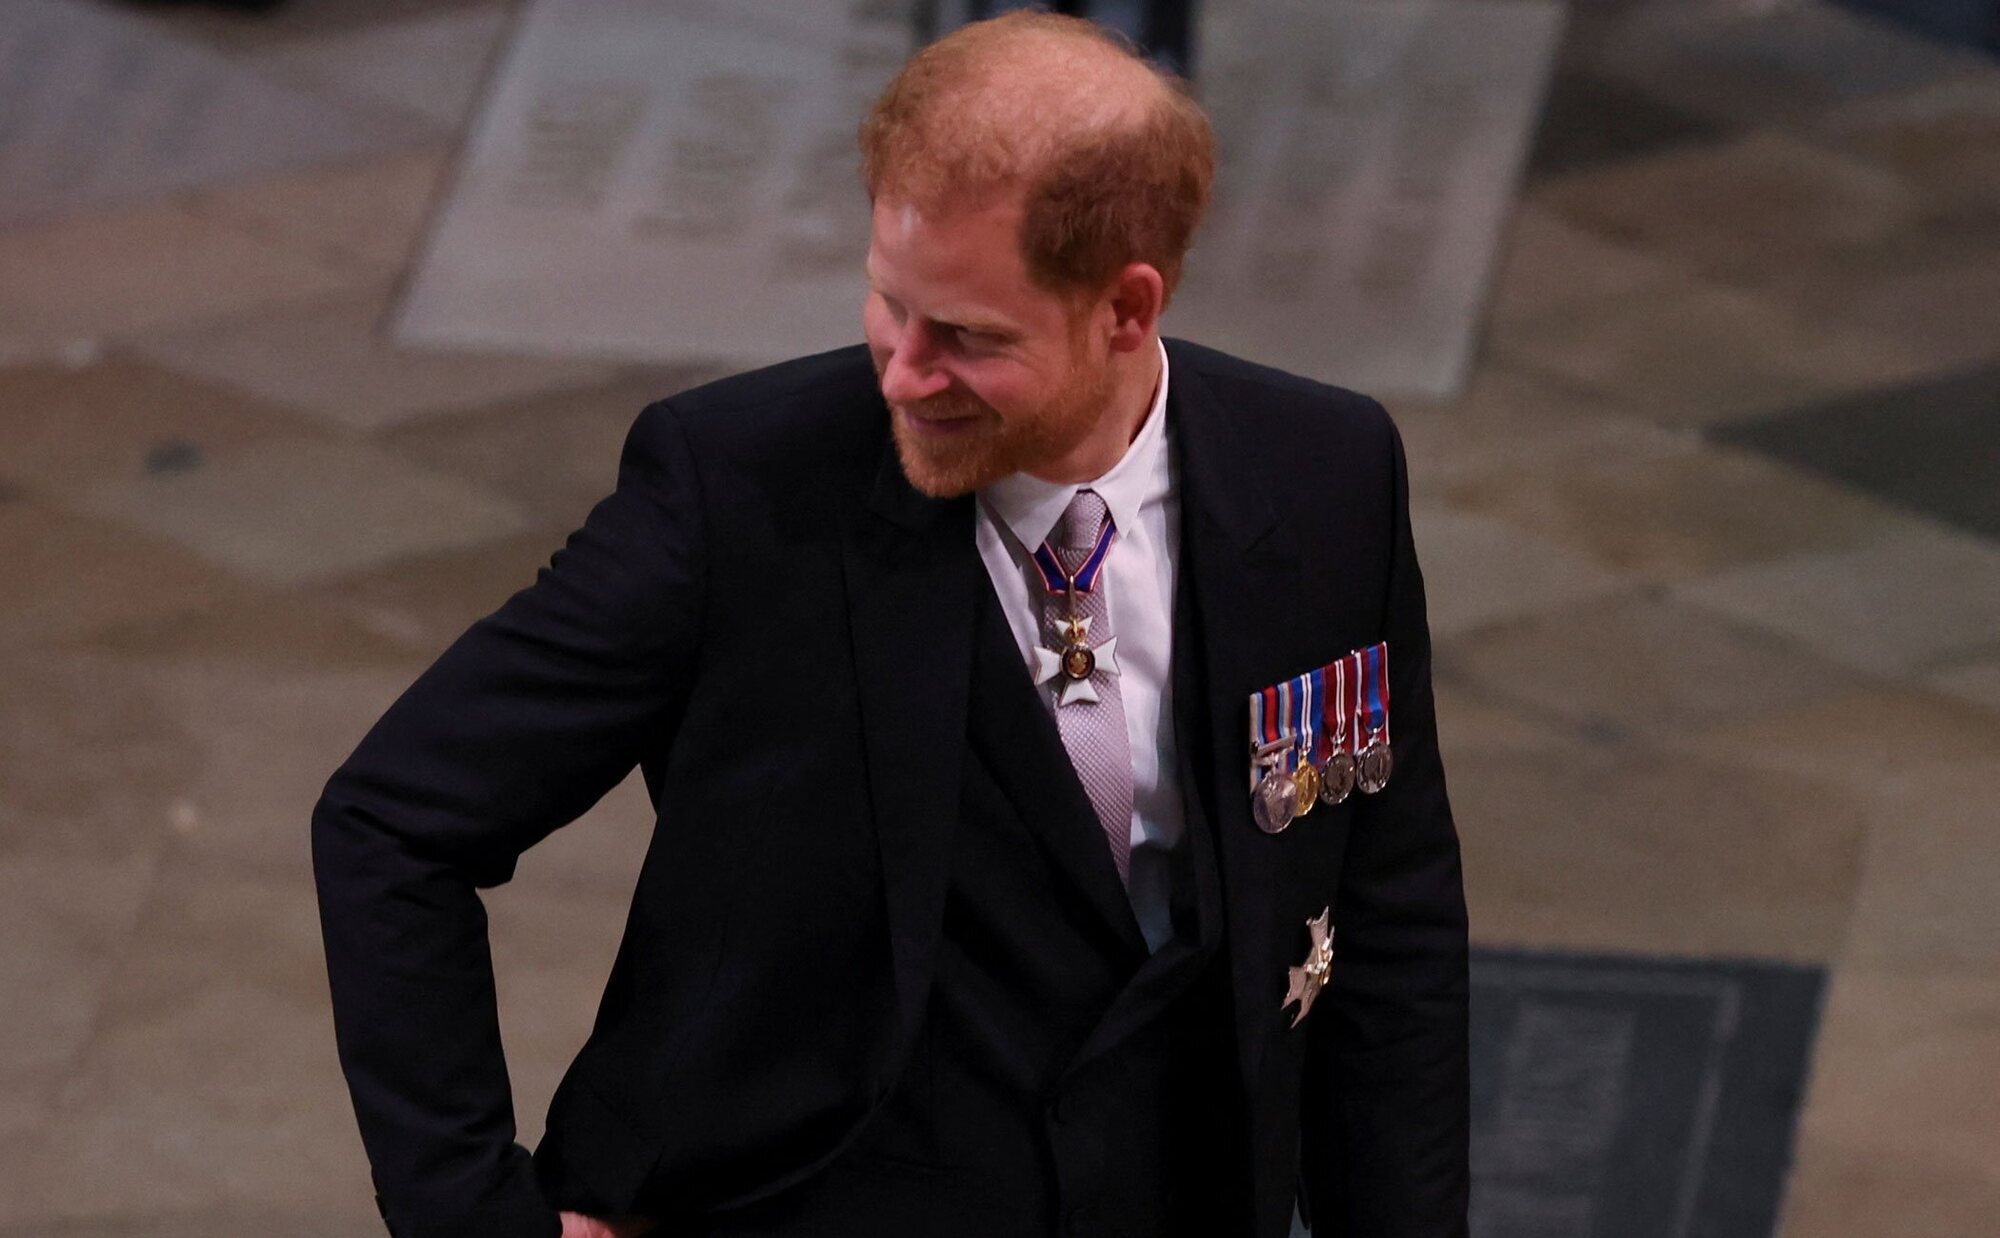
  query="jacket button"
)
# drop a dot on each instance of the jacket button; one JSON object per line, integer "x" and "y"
{"x": 1080, "y": 1220}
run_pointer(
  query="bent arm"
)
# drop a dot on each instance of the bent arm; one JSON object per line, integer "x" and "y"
{"x": 1387, "y": 1100}
{"x": 517, "y": 729}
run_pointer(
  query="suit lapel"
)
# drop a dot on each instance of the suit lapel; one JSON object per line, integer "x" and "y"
{"x": 1237, "y": 557}
{"x": 1048, "y": 795}
{"x": 911, "y": 568}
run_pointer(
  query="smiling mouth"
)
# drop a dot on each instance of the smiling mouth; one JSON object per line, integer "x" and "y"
{"x": 932, "y": 421}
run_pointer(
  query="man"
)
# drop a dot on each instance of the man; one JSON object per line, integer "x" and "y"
{"x": 939, "y": 658}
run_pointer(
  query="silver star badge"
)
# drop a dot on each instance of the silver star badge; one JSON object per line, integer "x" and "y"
{"x": 1306, "y": 981}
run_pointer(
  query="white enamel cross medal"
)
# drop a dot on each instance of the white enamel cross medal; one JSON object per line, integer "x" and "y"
{"x": 1075, "y": 662}
{"x": 1309, "y": 978}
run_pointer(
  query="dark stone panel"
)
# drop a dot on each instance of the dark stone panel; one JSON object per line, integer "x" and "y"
{"x": 1933, "y": 447}
{"x": 1588, "y": 120}
{"x": 1635, "y": 1097}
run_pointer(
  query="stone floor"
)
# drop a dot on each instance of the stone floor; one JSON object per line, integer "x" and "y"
{"x": 1710, "y": 537}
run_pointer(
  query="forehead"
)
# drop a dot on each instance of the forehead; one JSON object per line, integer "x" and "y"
{"x": 969, "y": 255}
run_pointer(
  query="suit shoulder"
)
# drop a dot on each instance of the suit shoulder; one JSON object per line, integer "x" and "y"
{"x": 825, "y": 407}
{"x": 1284, "y": 397}
{"x": 843, "y": 375}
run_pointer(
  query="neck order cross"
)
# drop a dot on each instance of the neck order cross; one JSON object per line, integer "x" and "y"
{"x": 1077, "y": 660}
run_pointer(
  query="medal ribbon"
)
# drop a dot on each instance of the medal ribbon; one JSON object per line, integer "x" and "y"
{"x": 1314, "y": 684}
{"x": 1378, "y": 691}
{"x": 1333, "y": 709}
{"x": 1353, "y": 698}
{"x": 1057, "y": 580}
{"x": 1285, "y": 716}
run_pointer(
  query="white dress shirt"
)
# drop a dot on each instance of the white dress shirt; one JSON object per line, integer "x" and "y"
{"x": 1016, "y": 514}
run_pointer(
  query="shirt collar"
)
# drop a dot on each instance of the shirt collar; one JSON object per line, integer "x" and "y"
{"x": 1029, "y": 507}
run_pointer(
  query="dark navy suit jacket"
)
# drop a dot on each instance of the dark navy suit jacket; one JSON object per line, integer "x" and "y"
{"x": 776, "y": 628}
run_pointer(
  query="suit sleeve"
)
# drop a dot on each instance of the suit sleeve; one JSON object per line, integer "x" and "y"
{"x": 1387, "y": 1103}
{"x": 519, "y": 727}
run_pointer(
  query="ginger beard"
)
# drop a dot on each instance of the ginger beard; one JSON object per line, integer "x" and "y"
{"x": 991, "y": 445}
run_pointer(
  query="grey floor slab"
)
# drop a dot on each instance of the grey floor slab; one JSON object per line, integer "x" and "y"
{"x": 432, "y": 64}
{"x": 1933, "y": 447}
{"x": 101, "y": 106}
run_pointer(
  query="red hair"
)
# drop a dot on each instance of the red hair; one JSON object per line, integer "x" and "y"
{"x": 1112, "y": 156}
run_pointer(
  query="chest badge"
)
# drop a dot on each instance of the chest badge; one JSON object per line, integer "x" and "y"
{"x": 1307, "y": 979}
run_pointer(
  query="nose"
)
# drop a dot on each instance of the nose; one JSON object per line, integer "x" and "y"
{"x": 909, "y": 376}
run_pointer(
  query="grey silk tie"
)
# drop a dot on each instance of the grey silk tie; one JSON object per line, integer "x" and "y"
{"x": 1092, "y": 731}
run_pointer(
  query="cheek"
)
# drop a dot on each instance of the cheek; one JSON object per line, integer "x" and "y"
{"x": 1002, "y": 393}
{"x": 878, "y": 328}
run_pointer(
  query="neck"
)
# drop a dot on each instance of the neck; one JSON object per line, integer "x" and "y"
{"x": 1135, "y": 384}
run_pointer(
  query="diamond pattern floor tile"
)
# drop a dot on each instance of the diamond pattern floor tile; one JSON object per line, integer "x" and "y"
{"x": 119, "y": 274}
{"x": 69, "y": 576}
{"x": 1698, "y": 354}
{"x": 1932, "y": 447}
{"x": 255, "y": 1107}
{"x": 1480, "y": 572}
{"x": 122, "y": 418}
{"x": 1619, "y": 847}
{"x": 286, "y": 511}
{"x": 1927, "y": 880}
{"x": 1897, "y": 1137}
{"x": 1643, "y": 665}
{"x": 334, "y": 360}
{"x": 1741, "y": 210}
{"x": 1897, "y": 604}
{"x": 1670, "y": 517}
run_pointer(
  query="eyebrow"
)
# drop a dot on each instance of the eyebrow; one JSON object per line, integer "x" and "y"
{"x": 971, "y": 320}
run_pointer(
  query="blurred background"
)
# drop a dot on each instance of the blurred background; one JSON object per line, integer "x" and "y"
{"x": 321, "y": 323}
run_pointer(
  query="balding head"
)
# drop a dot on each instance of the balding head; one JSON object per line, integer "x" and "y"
{"x": 1110, "y": 157}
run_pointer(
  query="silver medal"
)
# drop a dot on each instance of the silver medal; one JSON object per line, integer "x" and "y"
{"x": 1275, "y": 803}
{"x": 1336, "y": 778}
{"x": 1376, "y": 765}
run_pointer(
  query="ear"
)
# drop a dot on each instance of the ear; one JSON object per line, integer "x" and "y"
{"x": 1137, "y": 296}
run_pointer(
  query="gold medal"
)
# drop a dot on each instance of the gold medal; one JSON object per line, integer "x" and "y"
{"x": 1306, "y": 778}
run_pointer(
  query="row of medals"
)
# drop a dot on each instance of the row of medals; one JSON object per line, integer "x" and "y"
{"x": 1283, "y": 796}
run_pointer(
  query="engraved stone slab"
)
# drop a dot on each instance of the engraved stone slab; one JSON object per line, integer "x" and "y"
{"x": 663, "y": 183}
{"x": 1636, "y": 1097}
{"x": 97, "y": 106}
{"x": 670, "y": 184}
{"x": 1368, "y": 155}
